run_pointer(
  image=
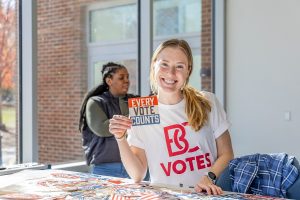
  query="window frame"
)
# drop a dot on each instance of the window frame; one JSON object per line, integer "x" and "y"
{"x": 28, "y": 131}
{"x": 110, "y": 50}
{"x": 218, "y": 66}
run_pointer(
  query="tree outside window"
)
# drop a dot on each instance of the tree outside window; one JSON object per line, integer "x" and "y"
{"x": 8, "y": 62}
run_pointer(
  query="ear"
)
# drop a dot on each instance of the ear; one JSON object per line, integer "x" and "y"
{"x": 108, "y": 81}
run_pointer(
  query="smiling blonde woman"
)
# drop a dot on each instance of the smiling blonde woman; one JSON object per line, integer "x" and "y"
{"x": 191, "y": 146}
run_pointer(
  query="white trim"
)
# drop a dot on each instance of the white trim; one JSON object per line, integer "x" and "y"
{"x": 112, "y": 43}
{"x": 29, "y": 86}
{"x": 109, "y": 4}
{"x": 146, "y": 44}
{"x": 74, "y": 166}
{"x": 219, "y": 50}
{"x": 90, "y": 77}
{"x": 19, "y": 167}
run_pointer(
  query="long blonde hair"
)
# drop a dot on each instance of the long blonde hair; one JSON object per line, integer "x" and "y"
{"x": 197, "y": 105}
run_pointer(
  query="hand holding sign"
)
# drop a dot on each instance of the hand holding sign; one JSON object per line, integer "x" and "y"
{"x": 118, "y": 125}
{"x": 144, "y": 110}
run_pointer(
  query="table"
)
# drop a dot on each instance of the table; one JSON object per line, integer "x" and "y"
{"x": 60, "y": 184}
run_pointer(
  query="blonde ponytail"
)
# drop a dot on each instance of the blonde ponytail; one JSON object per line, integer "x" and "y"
{"x": 197, "y": 107}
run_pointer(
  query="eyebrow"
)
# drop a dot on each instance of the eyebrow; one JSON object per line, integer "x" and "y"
{"x": 180, "y": 62}
{"x": 164, "y": 60}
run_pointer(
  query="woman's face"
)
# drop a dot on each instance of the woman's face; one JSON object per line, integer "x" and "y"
{"x": 119, "y": 82}
{"x": 171, "y": 70}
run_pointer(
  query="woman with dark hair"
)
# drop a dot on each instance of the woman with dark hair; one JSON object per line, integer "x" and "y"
{"x": 99, "y": 105}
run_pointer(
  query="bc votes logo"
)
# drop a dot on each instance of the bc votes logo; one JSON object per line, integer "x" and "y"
{"x": 178, "y": 145}
{"x": 176, "y": 141}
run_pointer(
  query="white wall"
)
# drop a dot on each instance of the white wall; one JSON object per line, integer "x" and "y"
{"x": 263, "y": 75}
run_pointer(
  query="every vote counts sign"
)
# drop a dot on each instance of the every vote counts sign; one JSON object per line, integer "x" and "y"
{"x": 144, "y": 110}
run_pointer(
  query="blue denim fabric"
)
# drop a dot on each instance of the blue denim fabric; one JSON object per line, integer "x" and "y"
{"x": 113, "y": 169}
{"x": 110, "y": 169}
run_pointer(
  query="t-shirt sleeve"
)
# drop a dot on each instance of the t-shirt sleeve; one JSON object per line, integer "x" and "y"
{"x": 134, "y": 137}
{"x": 217, "y": 117}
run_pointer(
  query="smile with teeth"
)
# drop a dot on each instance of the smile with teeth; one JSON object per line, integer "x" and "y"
{"x": 168, "y": 81}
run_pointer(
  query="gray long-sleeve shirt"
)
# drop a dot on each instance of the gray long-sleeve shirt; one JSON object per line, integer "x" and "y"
{"x": 97, "y": 120}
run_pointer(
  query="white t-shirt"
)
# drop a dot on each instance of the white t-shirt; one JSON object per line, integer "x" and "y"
{"x": 176, "y": 154}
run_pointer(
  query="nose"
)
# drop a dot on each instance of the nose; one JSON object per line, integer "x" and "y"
{"x": 172, "y": 70}
{"x": 126, "y": 80}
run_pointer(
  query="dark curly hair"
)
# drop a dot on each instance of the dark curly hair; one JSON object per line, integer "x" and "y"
{"x": 107, "y": 71}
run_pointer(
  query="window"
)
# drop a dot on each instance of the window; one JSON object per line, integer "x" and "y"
{"x": 176, "y": 17}
{"x": 130, "y": 65}
{"x": 75, "y": 38}
{"x": 117, "y": 40}
{"x": 8, "y": 82}
{"x": 180, "y": 19}
{"x": 114, "y": 41}
{"x": 122, "y": 23}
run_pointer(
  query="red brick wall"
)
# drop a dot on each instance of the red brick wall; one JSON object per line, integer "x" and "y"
{"x": 62, "y": 75}
{"x": 62, "y": 78}
{"x": 206, "y": 44}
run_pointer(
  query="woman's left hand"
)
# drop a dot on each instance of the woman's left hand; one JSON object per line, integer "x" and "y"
{"x": 206, "y": 185}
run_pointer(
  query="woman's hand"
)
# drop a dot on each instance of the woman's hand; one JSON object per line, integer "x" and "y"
{"x": 205, "y": 184}
{"x": 118, "y": 125}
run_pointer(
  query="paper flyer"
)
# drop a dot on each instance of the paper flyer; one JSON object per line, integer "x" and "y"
{"x": 52, "y": 184}
{"x": 144, "y": 110}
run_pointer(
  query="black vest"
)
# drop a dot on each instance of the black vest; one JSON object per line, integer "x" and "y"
{"x": 102, "y": 149}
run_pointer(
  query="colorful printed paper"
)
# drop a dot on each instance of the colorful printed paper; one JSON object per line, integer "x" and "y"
{"x": 60, "y": 184}
{"x": 144, "y": 110}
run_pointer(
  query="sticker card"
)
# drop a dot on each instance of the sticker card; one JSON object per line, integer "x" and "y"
{"x": 144, "y": 110}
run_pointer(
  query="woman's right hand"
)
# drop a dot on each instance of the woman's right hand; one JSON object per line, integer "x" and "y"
{"x": 118, "y": 125}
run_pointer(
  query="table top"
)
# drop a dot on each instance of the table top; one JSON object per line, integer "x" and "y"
{"x": 60, "y": 184}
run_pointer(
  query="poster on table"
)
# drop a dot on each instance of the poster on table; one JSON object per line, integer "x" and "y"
{"x": 61, "y": 184}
